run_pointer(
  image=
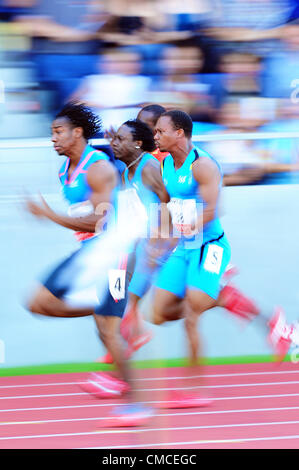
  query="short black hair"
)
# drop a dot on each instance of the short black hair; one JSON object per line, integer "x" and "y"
{"x": 156, "y": 109}
{"x": 180, "y": 120}
{"x": 81, "y": 116}
{"x": 141, "y": 131}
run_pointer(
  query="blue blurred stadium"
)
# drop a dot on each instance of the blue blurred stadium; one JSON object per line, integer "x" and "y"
{"x": 232, "y": 64}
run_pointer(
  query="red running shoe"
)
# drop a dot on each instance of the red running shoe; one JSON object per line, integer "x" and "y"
{"x": 134, "y": 344}
{"x": 280, "y": 334}
{"x": 134, "y": 331}
{"x": 128, "y": 416}
{"x": 107, "y": 359}
{"x": 231, "y": 271}
{"x": 140, "y": 340}
{"x": 137, "y": 342}
{"x": 180, "y": 400}
{"x": 237, "y": 303}
{"x": 104, "y": 386}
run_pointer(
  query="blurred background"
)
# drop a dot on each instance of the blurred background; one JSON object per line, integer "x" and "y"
{"x": 232, "y": 64}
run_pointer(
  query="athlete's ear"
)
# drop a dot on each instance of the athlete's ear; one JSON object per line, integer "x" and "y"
{"x": 78, "y": 132}
{"x": 138, "y": 143}
{"x": 180, "y": 133}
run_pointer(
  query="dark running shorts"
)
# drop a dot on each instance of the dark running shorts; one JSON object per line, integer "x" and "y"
{"x": 59, "y": 283}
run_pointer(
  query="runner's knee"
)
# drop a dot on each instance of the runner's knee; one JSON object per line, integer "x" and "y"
{"x": 158, "y": 319}
{"x": 199, "y": 302}
{"x": 36, "y": 305}
{"x": 157, "y": 315}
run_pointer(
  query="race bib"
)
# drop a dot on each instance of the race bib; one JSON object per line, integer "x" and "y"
{"x": 213, "y": 259}
{"x": 183, "y": 213}
{"x": 117, "y": 283}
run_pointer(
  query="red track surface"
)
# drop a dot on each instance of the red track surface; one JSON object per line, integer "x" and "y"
{"x": 255, "y": 406}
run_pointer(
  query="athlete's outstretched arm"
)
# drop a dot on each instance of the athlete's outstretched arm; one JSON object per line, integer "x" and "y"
{"x": 101, "y": 177}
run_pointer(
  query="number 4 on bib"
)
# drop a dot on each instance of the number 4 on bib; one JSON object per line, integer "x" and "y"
{"x": 117, "y": 283}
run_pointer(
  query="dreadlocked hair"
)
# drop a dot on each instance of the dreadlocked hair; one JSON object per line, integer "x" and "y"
{"x": 81, "y": 116}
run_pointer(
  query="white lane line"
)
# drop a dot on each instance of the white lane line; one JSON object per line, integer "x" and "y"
{"x": 148, "y": 379}
{"x": 201, "y": 442}
{"x": 145, "y": 430}
{"x": 19, "y": 397}
{"x": 65, "y": 407}
{"x": 39, "y": 385}
{"x": 156, "y": 389}
{"x": 184, "y": 413}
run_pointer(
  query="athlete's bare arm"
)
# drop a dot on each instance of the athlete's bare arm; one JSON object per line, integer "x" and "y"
{"x": 101, "y": 177}
{"x": 102, "y": 180}
{"x": 161, "y": 240}
{"x": 151, "y": 177}
{"x": 207, "y": 174}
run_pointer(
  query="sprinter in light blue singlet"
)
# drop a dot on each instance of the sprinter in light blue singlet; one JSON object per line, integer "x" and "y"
{"x": 88, "y": 179}
{"x": 199, "y": 260}
{"x": 141, "y": 279}
{"x": 132, "y": 144}
{"x": 93, "y": 280}
{"x": 189, "y": 283}
{"x": 76, "y": 189}
{"x": 201, "y": 256}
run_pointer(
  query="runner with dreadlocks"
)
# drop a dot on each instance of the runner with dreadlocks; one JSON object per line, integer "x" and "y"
{"x": 94, "y": 279}
{"x": 87, "y": 178}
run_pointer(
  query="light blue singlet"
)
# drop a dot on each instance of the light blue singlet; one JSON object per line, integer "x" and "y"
{"x": 142, "y": 275}
{"x": 199, "y": 261}
{"x": 76, "y": 189}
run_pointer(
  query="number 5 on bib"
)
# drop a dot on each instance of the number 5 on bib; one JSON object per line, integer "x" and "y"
{"x": 213, "y": 259}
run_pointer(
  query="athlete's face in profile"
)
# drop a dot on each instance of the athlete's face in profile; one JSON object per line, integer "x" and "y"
{"x": 63, "y": 135}
{"x": 165, "y": 134}
{"x": 123, "y": 144}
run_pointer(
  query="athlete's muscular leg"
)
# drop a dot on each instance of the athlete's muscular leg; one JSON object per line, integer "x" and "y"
{"x": 166, "y": 307}
{"x": 199, "y": 301}
{"x": 194, "y": 345}
{"x": 169, "y": 307}
{"x": 109, "y": 331}
{"x": 131, "y": 322}
{"x": 45, "y": 303}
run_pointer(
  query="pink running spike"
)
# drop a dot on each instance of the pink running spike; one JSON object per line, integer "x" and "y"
{"x": 231, "y": 271}
{"x": 104, "y": 386}
{"x": 280, "y": 334}
{"x": 237, "y": 303}
{"x": 180, "y": 400}
{"x": 136, "y": 342}
{"x": 106, "y": 359}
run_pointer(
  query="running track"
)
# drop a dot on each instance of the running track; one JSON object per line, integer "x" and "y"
{"x": 255, "y": 406}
